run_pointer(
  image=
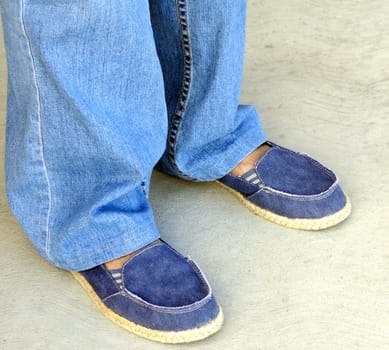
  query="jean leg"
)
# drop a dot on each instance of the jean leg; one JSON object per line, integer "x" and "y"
{"x": 86, "y": 123}
{"x": 201, "y": 47}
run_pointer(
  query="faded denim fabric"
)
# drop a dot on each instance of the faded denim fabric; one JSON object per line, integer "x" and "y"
{"x": 98, "y": 92}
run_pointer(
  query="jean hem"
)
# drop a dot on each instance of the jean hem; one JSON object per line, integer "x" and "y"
{"x": 123, "y": 246}
{"x": 240, "y": 151}
{"x": 241, "y": 148}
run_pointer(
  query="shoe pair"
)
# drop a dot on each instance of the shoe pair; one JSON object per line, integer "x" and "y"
{"x": 163, "y": 296}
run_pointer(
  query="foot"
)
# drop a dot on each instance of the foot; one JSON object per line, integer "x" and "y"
{"x": 249, "y": 162}
{"x": 288, "y": 188}
{"x": 156, "y": 293}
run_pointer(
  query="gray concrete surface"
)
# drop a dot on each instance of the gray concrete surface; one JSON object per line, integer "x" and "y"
{"x": 319, "y": 73}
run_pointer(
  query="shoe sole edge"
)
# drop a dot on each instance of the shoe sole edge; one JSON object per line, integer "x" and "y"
{"x": 170, "y": 337}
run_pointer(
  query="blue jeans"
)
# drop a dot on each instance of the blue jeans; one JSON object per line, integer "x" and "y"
{"x": 99, "y": 92}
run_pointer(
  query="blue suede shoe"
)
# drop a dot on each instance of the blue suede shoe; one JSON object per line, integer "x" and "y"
{"x": 158, "y": 294}
{"x": 291, "y": 189}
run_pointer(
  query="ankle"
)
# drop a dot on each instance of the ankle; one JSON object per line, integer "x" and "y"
{"x": 249, "y": 162}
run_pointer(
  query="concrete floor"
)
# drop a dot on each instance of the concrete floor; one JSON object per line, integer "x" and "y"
{"x": 319, "y": 73}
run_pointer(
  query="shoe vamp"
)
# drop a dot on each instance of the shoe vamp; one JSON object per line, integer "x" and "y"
{"x": 293, "y": 173}
{"x": 162, "y": 277}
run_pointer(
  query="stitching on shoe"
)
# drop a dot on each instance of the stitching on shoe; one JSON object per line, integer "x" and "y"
{"x": 296, "y": 197}
{"x": 161, "y": 309}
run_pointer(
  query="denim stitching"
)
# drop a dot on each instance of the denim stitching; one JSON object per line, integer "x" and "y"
{"x": 186, "y": 82}
{"x": 39, "y": 112}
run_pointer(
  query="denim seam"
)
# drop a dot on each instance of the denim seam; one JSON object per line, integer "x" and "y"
{"x": 178, "y": 115}
{"x": 39, "y": 113}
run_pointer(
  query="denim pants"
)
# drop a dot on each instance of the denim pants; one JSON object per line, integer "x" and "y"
{"x": 101, "y": 92}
